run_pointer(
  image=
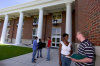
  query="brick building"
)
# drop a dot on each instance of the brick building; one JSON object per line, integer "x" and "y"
{"x": 21, "y": 23}
{"x": 87, "y": 18}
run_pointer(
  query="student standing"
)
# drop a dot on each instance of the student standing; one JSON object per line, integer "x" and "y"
{"x": 35, "y": 45}
{"x": 85, "y": 48}
{"x": 48, "y": 49}
{"x": 65, "y": 50}
{"x": 40, "y": 46}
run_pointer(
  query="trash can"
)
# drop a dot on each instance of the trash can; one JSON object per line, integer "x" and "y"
{"x": 44, "y": 45}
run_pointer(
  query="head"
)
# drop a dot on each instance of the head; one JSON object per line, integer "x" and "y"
{"x": 39, "y": 40}
{"x": 36, "y": 37}
{"x": 48, "y": 38}
{"x": 65, "y": 36}
{"x": 80, "y": 35}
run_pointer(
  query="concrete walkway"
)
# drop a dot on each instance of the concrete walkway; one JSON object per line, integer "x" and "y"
{"x": 25, "y": 60}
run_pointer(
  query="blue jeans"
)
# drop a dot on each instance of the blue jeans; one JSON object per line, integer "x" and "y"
{"x": 48, "y": 53}
{"x": 33, "y": 56}
{"x": 39, "y": 50}
{"x": 65, "y": 61}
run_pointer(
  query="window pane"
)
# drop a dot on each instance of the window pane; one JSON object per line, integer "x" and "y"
{"x": 58, "y": 39}
{"x": 53, "y": 44}
{"x": 36, "y": 20}
{"x": 33, "y": 37}
{"x": 33, "y": 31}
{"x": 57, "y": 45}
{"x": 58, "y": 16}
{"x": 58, "y": 31}
{"x": 53, "y": 31}
{"x": 53, "y": 39}
{"x": 54, "y": 17}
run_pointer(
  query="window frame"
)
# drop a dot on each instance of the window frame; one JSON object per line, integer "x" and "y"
{"x": 56, "y": 16}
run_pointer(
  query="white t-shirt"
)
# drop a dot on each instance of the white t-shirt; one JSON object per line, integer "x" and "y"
{"x": 65, "y": 50}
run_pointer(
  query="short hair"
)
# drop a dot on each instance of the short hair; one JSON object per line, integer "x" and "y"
{"x": 36, "y": 37}
{"x": 65, "y": 34}
{"x": 49, "y": 37}
{"x": 82, "y": 32}
{"x": 39, "y": 39}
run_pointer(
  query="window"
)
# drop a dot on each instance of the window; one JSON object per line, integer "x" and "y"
{"x": 34, "y": 34}
{"x": 56, "y": 31}
{"x": 18, "y": 23}
{"x": 7, "y": 34}
{"x": 57, "y": 17}
{"x": 9, "y": 22}
{"x": 36, "y": 19}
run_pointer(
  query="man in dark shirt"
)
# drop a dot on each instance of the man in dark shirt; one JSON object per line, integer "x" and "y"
{"x": 40, "y": 46}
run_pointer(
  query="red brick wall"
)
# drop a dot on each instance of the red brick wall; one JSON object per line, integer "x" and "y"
{"x": 88, "y": 19}
{"x": 27, "y": 28}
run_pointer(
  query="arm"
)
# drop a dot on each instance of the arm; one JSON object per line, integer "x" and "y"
{"x": 71, "y": 51}
{"x": 89, "y": 52}
{"x": 85, "y": 60}
{"x": 60, "y": 54}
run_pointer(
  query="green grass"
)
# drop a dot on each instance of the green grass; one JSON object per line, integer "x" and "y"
{"x": 9, "y": 51}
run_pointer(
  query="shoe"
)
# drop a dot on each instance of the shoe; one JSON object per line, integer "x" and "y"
{"x": 34, "y": 62}
{"x": 37, "y": 57}
{"x": 34, "y": 59}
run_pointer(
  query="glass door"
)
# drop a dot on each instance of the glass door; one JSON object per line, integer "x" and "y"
{"x": 56, "y": 37}
{"x": 34, "y": 34}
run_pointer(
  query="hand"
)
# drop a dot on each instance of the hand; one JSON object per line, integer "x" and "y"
{"x": 69, "y": 55}
{"x": 47, "y": 47}
{"x": 75, "y": 60}
{"x": 60, "y": 63}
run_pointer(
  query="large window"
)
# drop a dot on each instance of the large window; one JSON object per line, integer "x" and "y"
{"x": 57, "y": 17}
{"x": 34, "y": 34}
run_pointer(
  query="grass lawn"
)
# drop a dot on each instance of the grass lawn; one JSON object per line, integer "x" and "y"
{"x": 8, "y": 51}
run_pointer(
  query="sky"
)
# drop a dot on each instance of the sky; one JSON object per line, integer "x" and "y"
{"x": 8, "y": 3}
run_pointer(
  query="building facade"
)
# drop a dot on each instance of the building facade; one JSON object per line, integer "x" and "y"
{"x": 87, "y": 18}
{"x": 42, "y": 18}
{"x": 51, "y": 18}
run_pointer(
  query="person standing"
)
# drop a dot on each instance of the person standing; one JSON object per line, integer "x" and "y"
{"x": 40, "y": 46}
{"x": 35, "y": 45}
{"x": 65, "y": 50}
{"x": 85, "y": 48}
{"x": 48, "y": 49}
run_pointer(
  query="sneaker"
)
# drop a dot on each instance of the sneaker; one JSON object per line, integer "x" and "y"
{"x": 34, "y": 62}
{"x": 37, "y": 57}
